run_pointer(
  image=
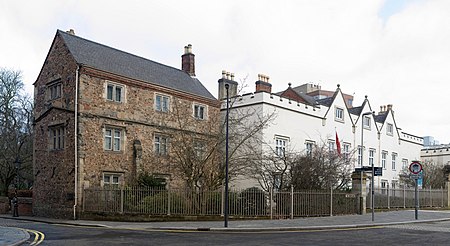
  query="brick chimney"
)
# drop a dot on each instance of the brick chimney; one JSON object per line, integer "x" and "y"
{"x": 263, "y": 84}
{"x": 188, "y": 61}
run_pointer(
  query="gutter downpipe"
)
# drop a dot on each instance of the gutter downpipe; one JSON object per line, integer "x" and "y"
{"x": 76, "y": 142}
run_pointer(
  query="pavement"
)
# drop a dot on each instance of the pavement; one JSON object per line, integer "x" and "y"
{"x": 15, "y": 236}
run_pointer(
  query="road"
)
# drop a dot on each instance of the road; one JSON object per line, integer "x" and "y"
{"x": 437, "y": 233}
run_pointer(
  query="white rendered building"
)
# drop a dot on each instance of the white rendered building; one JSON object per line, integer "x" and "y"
{"x": 306, "y": 115}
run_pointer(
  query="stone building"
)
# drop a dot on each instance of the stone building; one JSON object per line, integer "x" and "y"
{"x": 102, "y": 116}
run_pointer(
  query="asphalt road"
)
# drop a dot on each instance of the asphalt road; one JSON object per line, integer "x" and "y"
{"x": 413, "y": 234}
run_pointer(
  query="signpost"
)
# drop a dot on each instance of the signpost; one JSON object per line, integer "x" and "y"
{"x": 415, "y": 168}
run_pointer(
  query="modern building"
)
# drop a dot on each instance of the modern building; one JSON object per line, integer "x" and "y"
{"x": 102, "y": 116}
{"x": 306, "y": 116}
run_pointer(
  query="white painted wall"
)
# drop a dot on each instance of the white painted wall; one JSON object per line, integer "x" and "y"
{"x": 300, "y": 123}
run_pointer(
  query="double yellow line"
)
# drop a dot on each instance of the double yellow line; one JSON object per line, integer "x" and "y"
{"x": 38, "y": 237}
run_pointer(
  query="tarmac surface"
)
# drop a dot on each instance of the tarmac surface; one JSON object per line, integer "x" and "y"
{"x": 15, "y": 236}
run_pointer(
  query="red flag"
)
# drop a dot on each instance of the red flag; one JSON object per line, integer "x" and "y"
{"x": 338, "y": 145}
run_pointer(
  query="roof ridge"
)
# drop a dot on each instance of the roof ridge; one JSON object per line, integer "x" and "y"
{"x": 128, "y": 53}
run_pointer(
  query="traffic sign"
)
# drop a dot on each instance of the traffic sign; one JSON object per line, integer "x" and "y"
{"x": 415, "y": 167}
{"x": 378, "y": 171}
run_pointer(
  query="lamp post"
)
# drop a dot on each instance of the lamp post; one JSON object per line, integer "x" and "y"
{"x": 227, "y": 86}
{"x": 372, "y": 191}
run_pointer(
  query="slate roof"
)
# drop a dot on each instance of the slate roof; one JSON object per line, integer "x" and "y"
{"x": 355, "y": 110}
{"x": 309, "y": 99}
{"x": 380, "y": 118}
{"x": 326, "y": 101}
{"x": 115, "y": 61}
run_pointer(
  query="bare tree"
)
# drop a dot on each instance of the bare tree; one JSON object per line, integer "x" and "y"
{"x": 433, "y": 175}
{"x": 197, "y": 147}
{"x": 16, "y": 147}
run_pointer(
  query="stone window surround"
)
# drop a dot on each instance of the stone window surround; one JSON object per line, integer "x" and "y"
{"x": 157, "y": 145}
{"x": 367, "y": 122}
{"x": 161, "y": 109}
{"x": 112, "y": 174}
{"x": 122, "y": 137}
{"x": 309, "y": 145}
{"x": 390, "y": 129}
{"x": 54, "y": 85}
{"x": 57, "y": 142}
{"x": 123, "y": 96}
{"x": 196, "y": 105}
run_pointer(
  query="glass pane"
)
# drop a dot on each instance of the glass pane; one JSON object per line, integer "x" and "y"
{"x": 115, "y": 180}
{"x": 158, "y": 103}
{"x": 165, "y": 104}
{"x": 118, "y": 94}
{"x": 109, "y": 92}
{"x": 106, "y": 179}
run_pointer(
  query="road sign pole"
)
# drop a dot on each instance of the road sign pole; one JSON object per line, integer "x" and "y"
{"x": 416, "y": 200}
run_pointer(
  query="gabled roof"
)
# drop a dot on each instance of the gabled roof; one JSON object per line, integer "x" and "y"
{"x": 306, "y": 98}
{"x": 381, "y": 117}
{"x": 115, "y": 61}
{"x": 355, "y": 110}
{"x": 326, "y": 101}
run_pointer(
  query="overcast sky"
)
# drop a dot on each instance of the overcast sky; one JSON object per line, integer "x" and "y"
{"x": 394, "y": 51}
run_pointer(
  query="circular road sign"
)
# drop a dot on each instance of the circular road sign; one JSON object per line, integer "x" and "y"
{"x": 415, "y": 167}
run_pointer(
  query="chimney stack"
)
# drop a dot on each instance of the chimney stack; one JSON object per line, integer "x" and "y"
{"x": 227, "y": 78}
{"x": 263, "y": 84}
{"x": 71, "y": 32}
{"x": 188, "y": 61}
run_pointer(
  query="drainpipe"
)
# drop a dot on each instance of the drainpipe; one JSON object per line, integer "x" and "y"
{"x": 76, "y": 143}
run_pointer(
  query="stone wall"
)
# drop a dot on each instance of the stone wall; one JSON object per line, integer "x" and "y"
{"x": 54, "y": 169}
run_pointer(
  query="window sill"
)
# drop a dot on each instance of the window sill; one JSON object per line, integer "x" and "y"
{"x": 113, "y": 151}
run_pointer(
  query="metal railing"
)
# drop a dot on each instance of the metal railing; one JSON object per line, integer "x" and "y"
{"x": 251, "y": 202}
{"x": 387, "y": 198}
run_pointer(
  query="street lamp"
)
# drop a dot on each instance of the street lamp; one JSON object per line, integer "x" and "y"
{"x": 362, "y": 165}
{"x": 227, "y": 86}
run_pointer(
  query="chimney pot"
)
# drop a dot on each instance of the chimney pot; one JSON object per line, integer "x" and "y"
{"x": 228, "y": 75}
{"x": 71, "y": 32}
{"x": 224, "y": 74}
{"x": 232, "y": 76}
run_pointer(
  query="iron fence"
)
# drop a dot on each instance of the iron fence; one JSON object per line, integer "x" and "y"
{"x": 387, "y": 198}
{"x": 251, "y": 202}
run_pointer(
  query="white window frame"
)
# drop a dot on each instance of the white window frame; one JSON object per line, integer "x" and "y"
{"x": 384, "y": 155}
{"x": 200, "y": 111}
{"x": 113, "y": 138}
{"x": 162, "y": 103}
{"x": 161, "y": 144}
{"x": 309, "y": 145}
{"x": 113, "y": 96}
{"x": 404, "y": 163}
{"x": 371, "y": 157}
{"x": 339, "y": 114}
{"x": 394, "y": 159}
{"x": 57, "y": 137}
{"x": 367, "y": 122}
{"x": 281, "y": 145}
{"x": 331, "y": 146}
{"x": 390, "y": 129}
{"x": 346, "y": 150}
{"x": 360, "y": 149}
